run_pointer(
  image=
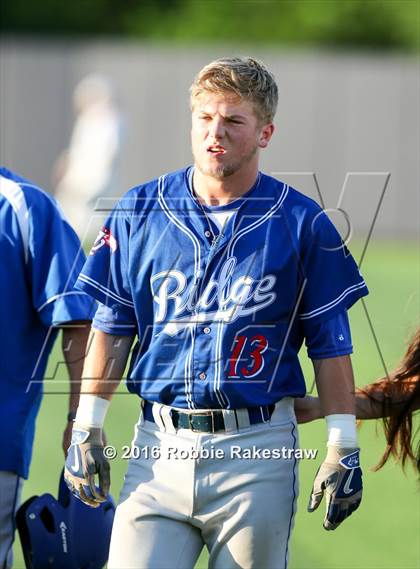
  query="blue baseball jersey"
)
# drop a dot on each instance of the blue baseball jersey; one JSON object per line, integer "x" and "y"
{"x": 220, "y": 316}
{"x": 40, "y": 258}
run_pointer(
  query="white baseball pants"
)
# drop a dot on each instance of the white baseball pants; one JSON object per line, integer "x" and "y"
{"x": 229, "y": 491}
{"x": 10, "y": 494}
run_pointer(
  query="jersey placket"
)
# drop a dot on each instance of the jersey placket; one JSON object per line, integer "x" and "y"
{"x": 204, "y": 335}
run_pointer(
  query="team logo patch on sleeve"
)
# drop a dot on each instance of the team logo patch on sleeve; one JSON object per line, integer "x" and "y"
{"x": 106, "y": 238}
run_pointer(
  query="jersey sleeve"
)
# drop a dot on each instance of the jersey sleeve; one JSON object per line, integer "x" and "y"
{"x": 328, "y": 339}
{"x": 55, "y": 258}
{"x": 112, "y": 321}
{"x": 105, "y": 273}
{"x": 331, "y": 278}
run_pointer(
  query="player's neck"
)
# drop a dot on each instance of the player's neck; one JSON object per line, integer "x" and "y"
{"x": 212, "y": 191}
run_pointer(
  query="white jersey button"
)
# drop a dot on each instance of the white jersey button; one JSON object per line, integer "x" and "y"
{"x": 207, "y": 233}
{"x": 206, "y": 330}
{"x": 202, "y": 375}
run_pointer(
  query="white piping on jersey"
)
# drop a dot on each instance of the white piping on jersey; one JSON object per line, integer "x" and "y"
{"x": 15, "y": 196}
{"x": 179, "y": 224}
{"x": 187, "y": 371}
{"x": 286, "y": 336}
{"x": 60, "y": 295}
{"x": 197, "y": 261}
{"x": 105, "y": 290}
{"x": 260, "y": 221}
{"x": 229, "y": 317}
{"x": 267, "y": 215}
{"x": 326, "y": 307}
{"x": 217, "y": 372}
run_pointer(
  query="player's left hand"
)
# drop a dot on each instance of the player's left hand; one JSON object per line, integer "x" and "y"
{"x": 340, "y": 478}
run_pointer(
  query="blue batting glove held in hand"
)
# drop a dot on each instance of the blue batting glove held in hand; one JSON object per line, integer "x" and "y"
{"x": 85, "y": 460}
{"x": 340, "y": 478}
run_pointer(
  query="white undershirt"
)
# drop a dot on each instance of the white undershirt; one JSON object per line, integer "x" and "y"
{"x": 220, "y": 218}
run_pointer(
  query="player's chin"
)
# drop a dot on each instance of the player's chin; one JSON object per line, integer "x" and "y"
{"x": 218, "y": 171}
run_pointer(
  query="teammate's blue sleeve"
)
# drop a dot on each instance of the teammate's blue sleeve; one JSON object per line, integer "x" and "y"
{"x": 105, "y": 273}
{"x": 55, "y": 258}
{"x": 328, "y": 339}
{"x": 111, "y": 320}
{"x": 331, "y": 278}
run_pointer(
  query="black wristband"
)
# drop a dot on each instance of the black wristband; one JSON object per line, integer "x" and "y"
{"x": 71, "y": 416}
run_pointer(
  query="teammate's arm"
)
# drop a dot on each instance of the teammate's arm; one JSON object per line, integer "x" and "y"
{"x": 104, "y": 367}
{"x": 74, "y": 342}
{"x": 370, "y": 406}
{"x": 339, "y": 476}
{"x": 335, "y": 384}
{"x": 309, "y": 408}
{"x": 373, "y": 401}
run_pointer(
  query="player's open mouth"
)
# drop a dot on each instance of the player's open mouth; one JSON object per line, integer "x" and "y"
{"x": 216, "y": 150}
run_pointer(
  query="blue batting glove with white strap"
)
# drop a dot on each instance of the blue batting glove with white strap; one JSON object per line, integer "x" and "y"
{"x": 85, "y": 460}
{"x": 340, "y": 478}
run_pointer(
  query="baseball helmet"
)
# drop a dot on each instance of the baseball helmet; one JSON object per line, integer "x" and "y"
{"x": 64, "y": 533}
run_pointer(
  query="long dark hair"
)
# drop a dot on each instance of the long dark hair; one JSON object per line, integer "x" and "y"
{"x": 399, "y": 395}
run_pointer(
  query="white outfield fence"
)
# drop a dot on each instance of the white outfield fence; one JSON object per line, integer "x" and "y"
{"x": 350, "y": 119}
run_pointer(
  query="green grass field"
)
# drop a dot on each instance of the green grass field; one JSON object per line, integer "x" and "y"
{"x": 384, "y": 532}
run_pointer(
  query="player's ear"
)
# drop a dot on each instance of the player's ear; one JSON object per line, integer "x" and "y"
{"x": 265, "y": 135}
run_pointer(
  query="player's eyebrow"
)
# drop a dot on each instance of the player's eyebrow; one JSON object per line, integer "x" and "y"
{"x": 227, "y": 116}
{"x": 235, "y": 117}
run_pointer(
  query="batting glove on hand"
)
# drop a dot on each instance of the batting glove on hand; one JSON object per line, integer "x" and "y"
{"x": 85, "y": 459}
{"x": 340, "y": 477}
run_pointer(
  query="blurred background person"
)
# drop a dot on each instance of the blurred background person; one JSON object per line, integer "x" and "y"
{"x": 88, "y": 168}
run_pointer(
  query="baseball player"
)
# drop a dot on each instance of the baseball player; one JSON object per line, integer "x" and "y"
{"x": 40, "y": 257}
{"x": 221, "y": 272}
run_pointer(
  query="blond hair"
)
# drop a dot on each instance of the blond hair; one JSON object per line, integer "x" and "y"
{"x": 244, "y": 77}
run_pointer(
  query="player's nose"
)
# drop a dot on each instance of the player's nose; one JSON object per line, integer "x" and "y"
{"x": 217, "y": 128}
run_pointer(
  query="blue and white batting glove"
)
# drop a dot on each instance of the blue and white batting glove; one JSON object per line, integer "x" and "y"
{"x": 85, "y": 460}
{"x": 340, "y": 478}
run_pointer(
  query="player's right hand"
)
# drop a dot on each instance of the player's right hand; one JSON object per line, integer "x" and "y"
{"x": 85, "y": 460}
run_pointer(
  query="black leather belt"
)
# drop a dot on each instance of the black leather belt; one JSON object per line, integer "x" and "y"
{"x": 209, "y": 421}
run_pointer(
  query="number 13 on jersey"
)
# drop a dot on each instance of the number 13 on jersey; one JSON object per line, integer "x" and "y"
{"x": 247, "y": 359}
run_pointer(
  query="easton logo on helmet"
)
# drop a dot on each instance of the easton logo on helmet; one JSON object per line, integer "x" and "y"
{"x": 63, "y": 529}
